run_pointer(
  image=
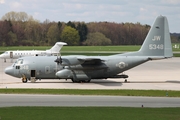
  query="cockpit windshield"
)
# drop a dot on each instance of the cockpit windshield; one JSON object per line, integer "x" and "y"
{"x": 18, "y": 62}
{"x": 14, "y": 63}
{"x": 6, "y": 52}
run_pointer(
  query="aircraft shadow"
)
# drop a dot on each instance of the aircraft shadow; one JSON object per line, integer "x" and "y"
{"x": 99, "y": 81}
{"x": 106, "y": 82}
{"x": 173, "y": 81}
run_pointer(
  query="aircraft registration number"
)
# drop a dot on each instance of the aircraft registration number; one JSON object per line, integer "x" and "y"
{"x": 26, "y": 67}
{"x": 156, "y": 46}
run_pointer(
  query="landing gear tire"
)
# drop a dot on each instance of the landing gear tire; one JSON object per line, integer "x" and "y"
{"x": 125, "y": 80}
{"x": 88, "y": 81}
{"x": 24, "y": 80}
{"x": 80, "y": 81}
{"x": 84, "y": 81}
{"x": 73, "y": 80}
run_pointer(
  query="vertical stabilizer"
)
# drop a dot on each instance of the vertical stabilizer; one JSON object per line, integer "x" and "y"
{"x": 56, "y": 48}
{"x": 158, "y": 42}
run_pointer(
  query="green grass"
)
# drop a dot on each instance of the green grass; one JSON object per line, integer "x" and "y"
{"x": 155, "y": 93}
{"x": 76, "y": 48}
{"x": 176, "y": 54}
{"x": 88, "y": 54}
{"x": 88, "y": 113}
{"x": 81, "y": 48}
{"x": 85, "y": 50}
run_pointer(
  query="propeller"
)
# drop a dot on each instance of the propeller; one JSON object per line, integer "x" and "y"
{"x": 58, "y": 60}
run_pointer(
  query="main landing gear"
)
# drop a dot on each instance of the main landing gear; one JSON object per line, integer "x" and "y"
{"x": 124, "y": 76}
{"x": 80, "y": 81}
{"x": 125, "y": 80}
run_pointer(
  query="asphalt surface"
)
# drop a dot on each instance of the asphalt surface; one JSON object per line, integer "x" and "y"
{"x": 158, "y": 74}
{"x": 8, "y": 100}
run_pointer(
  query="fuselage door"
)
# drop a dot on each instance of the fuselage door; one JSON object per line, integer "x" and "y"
{"x": 11, "y": 54}
{"x": 33, "y": 73}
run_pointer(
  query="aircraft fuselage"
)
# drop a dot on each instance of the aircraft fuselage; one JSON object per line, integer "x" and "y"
{"x": 44, "y": 67}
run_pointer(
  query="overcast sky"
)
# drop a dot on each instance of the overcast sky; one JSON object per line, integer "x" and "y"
{"x": 143, "y": 11}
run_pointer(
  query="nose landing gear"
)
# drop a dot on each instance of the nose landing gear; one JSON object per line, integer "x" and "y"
{"x": 24, "y": 79}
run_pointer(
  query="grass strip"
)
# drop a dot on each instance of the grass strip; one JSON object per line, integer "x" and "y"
{"x": 154, "y": 93}
{"x": 81, "y": 48}
{"x": 88, "y": 113}
{"x": 87, "y": 50}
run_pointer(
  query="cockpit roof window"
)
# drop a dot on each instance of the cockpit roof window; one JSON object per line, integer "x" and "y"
{"x": 19, "y": 61}
{"x": 14, "y": 63}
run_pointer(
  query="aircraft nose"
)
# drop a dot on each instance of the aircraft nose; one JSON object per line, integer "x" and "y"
{"x": 9, "y": 70}
{"x": 1, "y": 56}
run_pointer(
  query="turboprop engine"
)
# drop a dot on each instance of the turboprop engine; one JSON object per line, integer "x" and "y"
{"x": 75, "y": 77}
{"x": 64, "y": 74}
{"x": 69, "y": 61}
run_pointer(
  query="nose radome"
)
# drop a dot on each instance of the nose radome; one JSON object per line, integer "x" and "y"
{"x": 1, "y": 56}
{"x": 9, "y": 70}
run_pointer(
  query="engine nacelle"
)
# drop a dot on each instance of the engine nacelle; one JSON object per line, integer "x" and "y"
{"x": 69, "y": 74}
{"x": 64, "y": 74}
{"x": 69, "y": 61}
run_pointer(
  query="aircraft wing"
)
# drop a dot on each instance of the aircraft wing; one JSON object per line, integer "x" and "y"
{"x": 79, "y": 60}
{"x": 90, "y": 60}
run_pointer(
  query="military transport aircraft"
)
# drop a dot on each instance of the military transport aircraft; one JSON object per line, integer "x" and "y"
{"x": 157, "y": 45}
{"x": 21, "y": 53}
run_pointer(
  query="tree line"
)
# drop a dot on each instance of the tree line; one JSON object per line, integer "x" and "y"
{"x": 20, "y": 29}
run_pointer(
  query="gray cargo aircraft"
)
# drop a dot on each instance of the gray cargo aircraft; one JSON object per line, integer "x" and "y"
{"x": 157, "y": 45}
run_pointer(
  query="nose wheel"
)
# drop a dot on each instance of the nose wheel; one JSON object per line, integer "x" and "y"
{"x": 24, "y": 80}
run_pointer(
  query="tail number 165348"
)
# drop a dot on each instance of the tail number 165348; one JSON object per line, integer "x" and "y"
{"x": 156, "y": 46}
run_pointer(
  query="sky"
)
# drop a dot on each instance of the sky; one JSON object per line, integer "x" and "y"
{"x": 142, "y": 11}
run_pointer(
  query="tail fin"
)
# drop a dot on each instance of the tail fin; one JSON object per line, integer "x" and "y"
{"x": 157, "y": 42}
{"x": 56, "y": 48}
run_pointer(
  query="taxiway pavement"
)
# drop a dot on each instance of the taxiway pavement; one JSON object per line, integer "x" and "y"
{"x": 8, "y": 100}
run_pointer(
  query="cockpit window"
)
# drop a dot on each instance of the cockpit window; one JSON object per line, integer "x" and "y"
{"x": 19, "y": 61}
{"x": 6, "y": 52}
{"x": 17, "y": 67}
{"x": 14, "y": 63}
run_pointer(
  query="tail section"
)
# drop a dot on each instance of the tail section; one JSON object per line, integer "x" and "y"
{"x": 158, "y": 42}
{"x": 56, "y": 48}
